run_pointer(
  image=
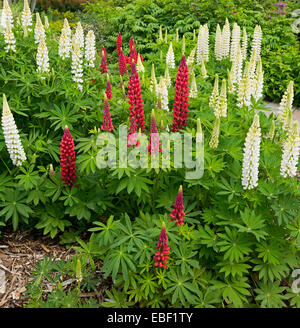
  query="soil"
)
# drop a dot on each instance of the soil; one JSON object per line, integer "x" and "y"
{"x": 19, "y": 253}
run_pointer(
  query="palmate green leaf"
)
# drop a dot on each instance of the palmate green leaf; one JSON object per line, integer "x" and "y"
{"x": 269, "y": 271}
{"x": 208, "y": 237}
{"x": 295, "y": 230}
{"x": 286, "y": 209}
{"x": 107, "y": 232}
{"x": 182, "y": 288}
{"x": 54, "y": 187}
{"x": 14, "y": 207}
{"x": 185, "y": 260}
{"x": 117, "y": 299}
{"x": 234, "y": 268}
{"x": 252, "y": 224}
{"x": 229, "y": 188}
{"x": 234, "y": 290}
{"x": 208, "y": 298}
{"x": 29, "y": 178}
{"x": 271, "y": 295}
{"x": 269, "y": 252}
{"x": 147, "y": 284}
{"x": 213, "y": 165}
{"x": 87, "y": 162}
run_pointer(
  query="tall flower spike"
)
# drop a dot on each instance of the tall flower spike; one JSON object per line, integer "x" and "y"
{"x": 90, "y": 49}
{"x": 290, "y": 153}
{"x": 258, "y": 82}
{"x": 67, "y": 158}
{"x": 46, "y": 23}
{"x": 103, "y": 65}
{"x": 132, "y": 136}
{"x": 11, "y": 136}
{"x": 42, "y": 58}
{"x": 222, "y": 101}
{"x": 218, "y": 44}
{"x": 39, "y": 32}
{"x": 226, "y": 39}
{"x": 154, "y": 142}
{"x": 213, "y": 100}
{"x": 139, "y": 65}
{"x": 191, "y": 57}
{"x": 230, "y": 84}
{"x": 235, "y": 41}
{"x": 203, "y": 44}
{"x": 132, "y": 51}
{"x": 271, "y": 131}
{"x": 26, "y": 18}
{"x": 244, "y": 44}
{"x": 135, "y": 99}
{"x": 77, "y": 69}
{"x": 162, "y": 95}
{"x": 9, "y": 39}
{"x": 67, "y": 28}
{"x": 183, "y": 46}
{"x": 161, "y": 257}
{"x": 256, "y": 41}
{"x": 166, "y": 36}
{"x": 119, "y": 43}
{"x": 122, "y": 63}
{"x": 194, "y": 90}
{"x": 106, "y": 125}
{"x": 6, "y": 17}
{"x": 236, "y": 69}
{"x": 203, "y": 69}
{"x": 170, "y": 59}
{"x": 214, "y": 140}
{"x": 286, "y": 102}
{"x": 244, "y": 92}
{"x": 251, "y": 155}
{"x": 178, "y": 210}
{"x": 79, "y": 35}
{"x": 64, "y": 48}
{"x": 153, "y": 82}
{"x": 108, "y": 91}
{"x": 180, "y": 108}
{"x": 167, "y": 77}
{"x": 160, "y": 35}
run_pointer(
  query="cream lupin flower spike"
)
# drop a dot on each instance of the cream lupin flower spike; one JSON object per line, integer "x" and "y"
{"x": 26, "y": 18}
{"x": 11, "y": 135}
{"x": 251, "y": 156}
{"x": 290, "y": 153}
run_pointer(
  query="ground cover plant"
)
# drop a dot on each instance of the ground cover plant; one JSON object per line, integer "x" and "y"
{"x": 229, "y": 238}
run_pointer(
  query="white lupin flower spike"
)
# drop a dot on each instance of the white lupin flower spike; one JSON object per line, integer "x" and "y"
{"x": 218, "y": 44}
{"x": 90, "y": 49}
{"x": 6, "y": 17}
{"x": 290, "y": 153}
{"x": 170, "y": 59}
{"x": 79, "y": 35}
{"x": 235, "y": 41}
{"x": 39, "y": 31}
{"x": 226, "y": 39}
{"x": 26, "y": 19}
{"x": 256, "y": 41}
{"x": 42, "y": 58}
{"x": 77, "y": 69}
{"x": 64, "y": 47}
{"x": 11, "y": 136}
{"x": 162, "y": 94}
{"x": 251, "y": 156}
{"x": 9, "y": 39}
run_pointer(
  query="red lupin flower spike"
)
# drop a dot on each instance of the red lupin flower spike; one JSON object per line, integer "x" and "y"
{"x": 106, "y": 125}
{"x": 108, "y": 88}
{"x": 103, "y": 65}
{"x": 135, "y": 100}
{"x": 119, "y": 42}
{"x": 67, "y": 158}
{"x": 122, "y": 63}
{"x": 132, "y": 52}
{"x": 180, "y": 108}
{"x": 161, "y": 257}
{"x": 154, "y": 142}
{"x": 177, "y": 212}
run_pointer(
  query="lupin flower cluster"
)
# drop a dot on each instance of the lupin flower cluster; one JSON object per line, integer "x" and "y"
{"x": 178, "y": 211}
{"x": 67, "y": 158}
{"x": 11, "y": 136}
{"x": 290, "y": 153}
{"x": 77, "y": 69}
{"x": 64, "y": 47}
{"x": 103, "y": 65}
{"x": 26, "y": 18}
{"x": 9, "y": 39}
{"x": 170, "y": 58}
{"x": 251, "y": 155}
{"x": 135, "y": 100}
{"x": 161, "y": 257}
{"x": 162, "y": 95}
{"x": 154, "y": 141}
{"x": 90, "y": 49}
{"x": 235, "y": 41}
{"x": 6, "y": 16}
{"x": 39, "y": 31}
{"x": 180, "y": 108}
{"x": 42, "y": 58}
{"x": 106, "y": 125}
{"x": 203, "y": 44}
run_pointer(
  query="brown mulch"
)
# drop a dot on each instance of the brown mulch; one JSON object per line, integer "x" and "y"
{"x": 19, "y": 253}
